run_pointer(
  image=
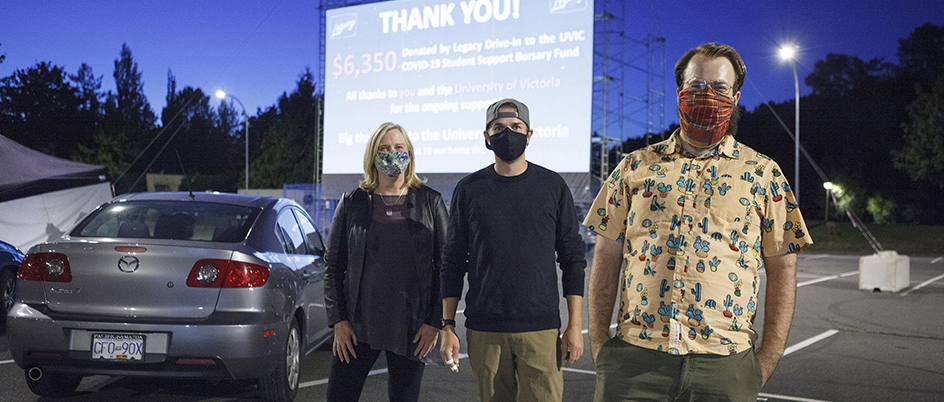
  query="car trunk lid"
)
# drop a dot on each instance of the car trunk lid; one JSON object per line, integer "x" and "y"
{"x": 134, "y": 280}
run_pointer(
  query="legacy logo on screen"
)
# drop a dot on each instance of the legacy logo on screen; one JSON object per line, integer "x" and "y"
{"x": 344, "y": 26}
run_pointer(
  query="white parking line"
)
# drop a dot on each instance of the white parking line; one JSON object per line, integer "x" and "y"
{"x": 788, "y": 398}
{"x": 937, "y": 259}
{"x": 827, "y": 278}
{"x": 6, "y": 361}
{"x": 324, "y": 381}
{"x": 587, "y": 330}
{"x": 810, "y": 341}
{"x": 923, "y": 284}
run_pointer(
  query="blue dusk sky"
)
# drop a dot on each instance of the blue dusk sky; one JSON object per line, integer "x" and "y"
{"x": 256, "y": 50}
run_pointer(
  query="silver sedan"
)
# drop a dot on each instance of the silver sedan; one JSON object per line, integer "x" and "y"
{"x": 200, "y": 285}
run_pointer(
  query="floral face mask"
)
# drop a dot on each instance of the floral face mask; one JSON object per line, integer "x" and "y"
{"x": 392, "y": 163}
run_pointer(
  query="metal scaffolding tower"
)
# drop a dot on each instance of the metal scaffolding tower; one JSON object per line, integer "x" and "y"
{"x": 628, "y": 84}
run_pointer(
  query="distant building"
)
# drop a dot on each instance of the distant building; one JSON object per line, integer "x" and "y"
{"x": 159, "y": 182}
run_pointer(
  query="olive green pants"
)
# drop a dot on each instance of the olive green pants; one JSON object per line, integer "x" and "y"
{"x": 516, "y": 366}
{"x": 630, "y": 373}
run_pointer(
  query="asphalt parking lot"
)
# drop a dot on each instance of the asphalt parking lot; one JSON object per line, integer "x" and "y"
{"x": 846, "y": 344}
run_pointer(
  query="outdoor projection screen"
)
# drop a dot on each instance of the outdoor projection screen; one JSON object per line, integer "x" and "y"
{"x": 435, "y": 67}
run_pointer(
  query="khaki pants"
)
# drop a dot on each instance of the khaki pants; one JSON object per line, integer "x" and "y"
{"x": 498, "y": 358}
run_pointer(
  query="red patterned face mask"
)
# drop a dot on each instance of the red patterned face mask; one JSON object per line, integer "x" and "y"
{"x": 704, "y": 116}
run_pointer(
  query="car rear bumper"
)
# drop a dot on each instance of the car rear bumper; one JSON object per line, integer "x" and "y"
{"x": 237, "y": 346}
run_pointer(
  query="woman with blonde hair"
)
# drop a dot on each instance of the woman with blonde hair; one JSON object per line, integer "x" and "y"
{"x": 382, "y": 276}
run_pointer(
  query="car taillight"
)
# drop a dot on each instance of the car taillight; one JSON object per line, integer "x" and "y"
{"x": 49, "y": 267}
{"x": 227, "y": 274}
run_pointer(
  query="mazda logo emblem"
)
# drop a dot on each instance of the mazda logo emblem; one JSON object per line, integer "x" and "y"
{"x": 128, "y": 263}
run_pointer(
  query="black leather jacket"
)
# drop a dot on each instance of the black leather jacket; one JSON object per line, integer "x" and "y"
{"x": 347, "y": 243}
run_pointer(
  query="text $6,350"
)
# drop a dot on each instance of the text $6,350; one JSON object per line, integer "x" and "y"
{"x": 369, "y": 63}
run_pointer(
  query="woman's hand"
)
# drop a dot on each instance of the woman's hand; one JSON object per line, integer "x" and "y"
{"x": 425, "y": 339}
{"x": 344, "y": 341}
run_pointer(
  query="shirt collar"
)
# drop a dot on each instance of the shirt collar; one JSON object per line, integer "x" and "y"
{"x": 728, "y": 146}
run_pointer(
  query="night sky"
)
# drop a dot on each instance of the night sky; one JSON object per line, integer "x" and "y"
{"x": 256, "y": 50}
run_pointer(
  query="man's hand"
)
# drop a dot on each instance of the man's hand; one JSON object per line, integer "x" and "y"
{"x": 571, "y": 345}
{"x": 450, "y": 345}
{"x": 344, "y": 341}
{"x": 425, "y": 339}
{"x": 450, "y": 348}
{"x": 572, "y": 339}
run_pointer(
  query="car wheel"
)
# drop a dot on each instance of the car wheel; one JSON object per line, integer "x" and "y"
{"x": 281, "y": 384}
{"x": 8, "y": 292}
{"x": 51, "y": 384}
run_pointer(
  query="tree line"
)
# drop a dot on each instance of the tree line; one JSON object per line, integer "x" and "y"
{"x": 47, "y": 109}
{"x": 873, "y": 128}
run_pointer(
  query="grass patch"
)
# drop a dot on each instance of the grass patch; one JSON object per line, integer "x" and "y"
{"x": 912, "y": 240}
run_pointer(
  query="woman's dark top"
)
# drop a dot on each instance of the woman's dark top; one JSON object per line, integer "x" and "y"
{"x": 387, "y": 284}
{"x": 383, "y": 271}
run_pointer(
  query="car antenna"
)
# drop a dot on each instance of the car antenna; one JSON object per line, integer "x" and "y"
{"x": 189, "y": 182}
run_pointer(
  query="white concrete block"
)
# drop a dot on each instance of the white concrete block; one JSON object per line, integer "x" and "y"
{"x": 886, "y": 271}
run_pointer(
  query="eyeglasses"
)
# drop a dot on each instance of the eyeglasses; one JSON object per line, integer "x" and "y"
{"x": 719, "y": 87}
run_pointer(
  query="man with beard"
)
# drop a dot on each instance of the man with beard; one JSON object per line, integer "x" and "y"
{"x": 507, "y": 224}
{"x": 693, "y": 218}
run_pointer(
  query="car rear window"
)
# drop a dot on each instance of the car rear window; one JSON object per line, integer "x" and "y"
{"x": 176, "y": 220}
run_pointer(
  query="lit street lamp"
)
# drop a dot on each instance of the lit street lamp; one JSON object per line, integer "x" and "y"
{"x": 829, "y": 189}
{"x": 788, "y": 52}
{"x": 220, "y": 94}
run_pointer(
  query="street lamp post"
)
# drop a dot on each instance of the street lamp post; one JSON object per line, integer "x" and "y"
{"x": 789, "y": 53}
{"x": 220, "y": 94}
{"x": 829, "y": 188}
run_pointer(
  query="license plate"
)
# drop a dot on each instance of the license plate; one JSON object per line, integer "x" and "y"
{"x": 118, "y": 347}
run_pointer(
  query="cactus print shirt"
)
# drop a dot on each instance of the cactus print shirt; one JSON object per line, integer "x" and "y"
{"x": 694, "y": 233}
